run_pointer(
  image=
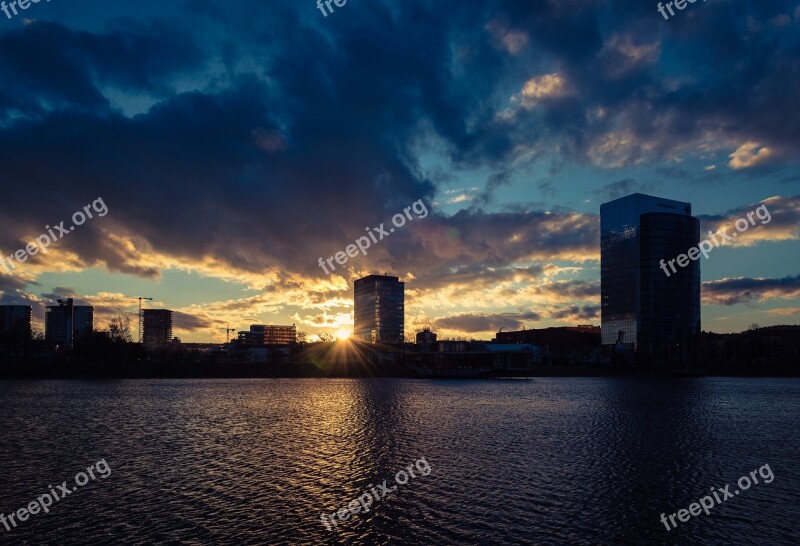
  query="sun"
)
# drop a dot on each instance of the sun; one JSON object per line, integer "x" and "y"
{"x": 342, "y": 334}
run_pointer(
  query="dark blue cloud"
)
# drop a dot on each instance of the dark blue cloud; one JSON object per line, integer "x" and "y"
{"x": 47, "y": 66}
{"x": 750, "y": 291}
{"x": 276, "y": 135}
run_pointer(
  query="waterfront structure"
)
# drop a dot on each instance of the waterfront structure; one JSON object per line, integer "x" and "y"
{"x": 379, "y": 309}
{"x": 640, "y": 305}
{"x": 15, "y": 322}
{"x": 473, "y": 359}
{"x": 554, "y": 337}
{"x": 558, "y": 344}
{"x": 66, "y": 322}
{"x": 157, "y": 326}
{"x": 268, "y": 335}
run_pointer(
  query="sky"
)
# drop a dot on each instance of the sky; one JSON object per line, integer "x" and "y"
{"x": 234, "y": 144}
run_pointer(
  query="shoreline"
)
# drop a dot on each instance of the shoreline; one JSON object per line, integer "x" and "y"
{"x": 152, "y": 370}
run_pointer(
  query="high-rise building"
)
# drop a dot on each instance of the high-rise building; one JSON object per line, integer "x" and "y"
{"x": 379, "y": 302}
{"x": 156, "y": 326}
{"x": 15, "y": 323}
{"x": 268, "y": 335}
{"x": 640, "y": 304}
{"x": 66, "y": 322}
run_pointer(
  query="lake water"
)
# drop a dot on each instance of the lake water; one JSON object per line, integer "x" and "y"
{"x": 542, "y": 461}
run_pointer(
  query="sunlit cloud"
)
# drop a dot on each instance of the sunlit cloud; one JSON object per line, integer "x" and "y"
{"x": 749, "y": 154}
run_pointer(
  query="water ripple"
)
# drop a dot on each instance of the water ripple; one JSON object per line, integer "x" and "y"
{"x": 546, "y": 461}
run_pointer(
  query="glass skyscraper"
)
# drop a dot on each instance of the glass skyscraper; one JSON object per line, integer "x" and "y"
{"x": 379, "y": 302}
{"x": 640, "y": 304}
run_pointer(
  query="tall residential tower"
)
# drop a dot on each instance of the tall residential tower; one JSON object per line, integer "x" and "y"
{"x": 15, "y": 322}
{"x": 66, "y": 322}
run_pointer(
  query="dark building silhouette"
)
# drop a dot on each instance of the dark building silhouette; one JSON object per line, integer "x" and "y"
{"x": 379, "y": 302}
{"x": 426, "y": 338}
{"x": 67, "y": 323}
{"x": 556, "y": 337}
{"x": 156, "y": 326}
{"x": 250, "y": 338}
{"x": 559, "y": 344}
{"x": 640, "y": 304}
{"x": 471, "y": 359}
{"x": 671, "y": 325}
{"x": 15, "y": 323}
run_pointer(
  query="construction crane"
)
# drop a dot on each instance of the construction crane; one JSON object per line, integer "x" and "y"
{"x": 140, "y": 315}
{"x": 228, "y": 333}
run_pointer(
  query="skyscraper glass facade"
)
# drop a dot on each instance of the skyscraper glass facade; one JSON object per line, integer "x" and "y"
{"x": 670, "y": 318}
{"x": 638, "y": 306}
{"x": 379, "y": 302}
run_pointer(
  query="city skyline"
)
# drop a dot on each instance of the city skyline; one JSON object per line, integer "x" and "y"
{"x": 344, "y": 329}
{"x": 432, "y": 272}
{"x": 224, "y": 173}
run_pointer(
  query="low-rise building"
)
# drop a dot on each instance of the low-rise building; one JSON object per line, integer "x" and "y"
{"x": 260, "y": 335}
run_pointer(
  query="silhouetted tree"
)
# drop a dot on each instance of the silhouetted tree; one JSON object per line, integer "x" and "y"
{"x": 120, "y": 329}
